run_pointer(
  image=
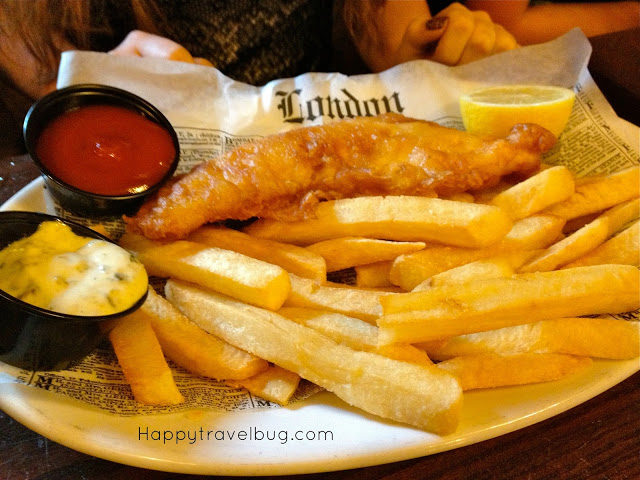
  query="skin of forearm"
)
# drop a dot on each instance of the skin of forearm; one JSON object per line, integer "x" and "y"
{"x": 545, "y": 22}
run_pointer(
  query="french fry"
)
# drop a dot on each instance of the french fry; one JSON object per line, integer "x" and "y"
{"x": 405, "y": 353}
{"x": 354, "y": 333}
{"x": 536, "y": 193}
{"x": 388, "y": 289}
{"x": 410, "y": 270}
{"x": 577, "y": 223}
{"x": 570, "y": 248}
{"x": 245, "y": 278}
{"x": 490, "y": 268}
{"x": 473, "y": 314}
{"x": 136, "y": 243}
{"x": 585, "y": 243}
{"x": 142, "y": 361}
{"x": 402, "y": 218}
{"x": 622, "y": 215}
{"x": 532, "y": 233}
{"x": 622, "y": 249}
{"x": 292, "y": 258}
{"x": 423, "y": 396}
{"x": 274, "y": 384}
{"x": 102, "y": 230}
{"x": 501, "y": 302}
{"x": 347, "y": 252}
{"x": 600, "y": 193}
{"x": 491, "y": 370}
{"x": 527, "y": 235}
{"x": 194, "y": 349}
{"x": 374, "y": 275}
{"x": 460, "y": 197}
{"x": 351, "y": 301}
{"x": 608, "y": 338}
{"x": 487, "y": 194}
{"x": 349, "y": 331}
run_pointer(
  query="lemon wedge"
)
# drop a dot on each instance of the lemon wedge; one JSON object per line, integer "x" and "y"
{"x": 495, "y": 110}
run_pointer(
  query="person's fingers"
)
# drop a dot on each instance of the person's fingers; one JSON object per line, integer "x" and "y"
{"x": 470, "y": 36}
{"x": 504, "y": 40}
{"x": 460, "y": 26}
{"x": 202, "y": 61}
{"x": 482, "y": 40}
{"x": 420, "y": 38}
{"x": 179, "y": 54}
{"x": 144, "y": 44}
{"x": 423, "y": 31}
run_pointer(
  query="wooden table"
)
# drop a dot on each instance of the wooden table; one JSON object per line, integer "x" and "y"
{"x": 599, "y": 439}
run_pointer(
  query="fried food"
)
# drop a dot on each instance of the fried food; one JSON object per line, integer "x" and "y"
{"x": 347, "y": 252}
{"x": 194, "y": 349}
{"x": 621, "y": 249}
{"x": 239, "y": 276}
{"x": 496, "y": 267}
{"x": 354, "y": 333}
{"x": 352, "y": 301}
{"x": 598, "y": 193}
{"x": 492, "y": 371}
{"x": 421, "y": 395}
{"x": 142, "y": 361}
{"x": 404, "y": 218}
{"x": 275, "y": 384}
{"x": 550, "y": 186}
{"x": 489, "y": 304}
{"x": 570, "y": 248}
{"x": 284, "y": 176}
{"x": 609, "y": 338}
{"x": 297, "y": 260}
{"x": 374, "y": 275}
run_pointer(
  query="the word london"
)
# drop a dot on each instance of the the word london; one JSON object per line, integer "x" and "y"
{"x": 295, "y": 109}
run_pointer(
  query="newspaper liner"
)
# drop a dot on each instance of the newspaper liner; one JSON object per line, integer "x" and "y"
{"x": 212, "y": 114}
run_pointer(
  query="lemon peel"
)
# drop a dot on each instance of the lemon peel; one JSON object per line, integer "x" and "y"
{"x": 495, "y": 110}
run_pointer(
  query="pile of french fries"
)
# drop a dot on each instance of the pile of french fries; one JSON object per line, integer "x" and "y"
{"x": 507, "y": 286}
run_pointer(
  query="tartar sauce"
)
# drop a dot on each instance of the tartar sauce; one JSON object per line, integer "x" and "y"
{"x": 58, "y": 270}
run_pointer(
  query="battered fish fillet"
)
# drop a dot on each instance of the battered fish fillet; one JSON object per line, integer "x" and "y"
{"x": 283, "y": 176}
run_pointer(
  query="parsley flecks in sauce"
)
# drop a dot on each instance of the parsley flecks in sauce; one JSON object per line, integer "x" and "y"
{"x": 58, "y": 270}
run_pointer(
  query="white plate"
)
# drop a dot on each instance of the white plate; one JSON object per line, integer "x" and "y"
{"x": 351, "y": 439}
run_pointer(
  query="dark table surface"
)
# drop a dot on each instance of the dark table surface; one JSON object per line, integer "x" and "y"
{"x": 599, "y": 439}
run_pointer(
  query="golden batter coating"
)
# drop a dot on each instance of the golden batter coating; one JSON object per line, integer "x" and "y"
{"x": 283, "y": 176}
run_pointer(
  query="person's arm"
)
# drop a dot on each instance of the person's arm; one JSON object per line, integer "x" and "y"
{"x": 142, "y": 44}
{"x": 27, "y": 74}
{"x": 391, "y": 32}
{"x": 541, "y": 23}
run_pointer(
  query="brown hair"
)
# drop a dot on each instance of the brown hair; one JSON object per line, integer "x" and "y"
{"x": 41, "y": 24}
{"x": 360, "y": 19}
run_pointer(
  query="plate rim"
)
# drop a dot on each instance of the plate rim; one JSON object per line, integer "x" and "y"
{"x": 25, "y": 408}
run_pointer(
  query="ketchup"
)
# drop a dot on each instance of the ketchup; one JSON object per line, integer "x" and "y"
{"x": 106, "y": 149}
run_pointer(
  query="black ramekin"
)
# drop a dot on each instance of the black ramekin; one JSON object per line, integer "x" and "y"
{"x": 71, "y": 198}
{"x": 40, "y": 339}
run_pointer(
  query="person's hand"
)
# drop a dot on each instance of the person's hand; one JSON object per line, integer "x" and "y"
{"x": 143, "y": 44}
{"x": 463, "y": 36}
{"x": 454, "y": 36}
